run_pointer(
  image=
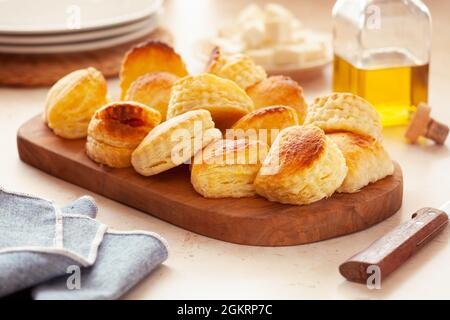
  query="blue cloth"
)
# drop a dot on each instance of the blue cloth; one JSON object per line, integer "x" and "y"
{"x": 45, "y": 247}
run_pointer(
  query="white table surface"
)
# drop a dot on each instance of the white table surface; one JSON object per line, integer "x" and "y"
{"x": 200, "y": 267}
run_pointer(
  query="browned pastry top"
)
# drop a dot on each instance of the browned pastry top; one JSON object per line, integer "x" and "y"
{"x": 300, "y": 147}
{"x": 279, "y": 90}
{"x": 269, "y": 117}
{"x": 148, "y": 57}
{"x": 123, "y": 122}
{"x": 242, "y": 148}
{"x": 164, "y": 80}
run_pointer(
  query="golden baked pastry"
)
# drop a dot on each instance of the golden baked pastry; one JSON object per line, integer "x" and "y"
{"x": 239, "y": 68}
{"x": 117, "y": 129}
{"x": 72, "y": 101}
{"x": 344, "y": 112}
{"x": 226, "y": 101}
{"x": 153, "y": 90}
{"x": 174, "y": 142}
{"x": 303, "y": 166}
{"x": 279, "y": 90}
{"x": 227, "y": 168}
{"x": 264, "y": 124}
{"x": 148, "y": 57}
{"x": 367, "y": 161}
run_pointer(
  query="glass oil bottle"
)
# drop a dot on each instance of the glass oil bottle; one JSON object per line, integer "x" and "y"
{"x": 382, "y": 53}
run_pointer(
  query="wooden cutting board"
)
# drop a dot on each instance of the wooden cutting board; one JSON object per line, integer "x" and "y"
{"x": 170, "y": 196}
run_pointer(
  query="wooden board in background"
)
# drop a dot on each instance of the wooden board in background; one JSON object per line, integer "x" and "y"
{"x": 32, "y": 70}
{"x": 170, "y": 196}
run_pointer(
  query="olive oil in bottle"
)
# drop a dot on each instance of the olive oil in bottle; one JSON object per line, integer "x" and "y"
{"x": 382, "y": 53}
{"x": 394, "y": 91}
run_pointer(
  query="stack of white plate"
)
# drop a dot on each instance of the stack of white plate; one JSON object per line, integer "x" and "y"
{"x": 50, "y": 26}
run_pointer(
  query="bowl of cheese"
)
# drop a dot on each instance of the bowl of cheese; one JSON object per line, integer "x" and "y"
{"x": 275, "y": 38}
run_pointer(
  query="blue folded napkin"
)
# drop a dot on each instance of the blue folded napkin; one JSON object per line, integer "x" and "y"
{"x": 66, "y": 253}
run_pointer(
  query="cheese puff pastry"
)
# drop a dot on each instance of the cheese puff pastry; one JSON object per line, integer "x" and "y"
{"x": 153, "y": 90}
{"x": 223, "y": 98}
{"x": 152, "y": 56}
{"x": 174, "y": 142}
{"x": 239, "y": 68}
{"x": 72, "y": 101}
{"x": 117, "y": 129}
{"x": 366, "y": 159}
{"x": 303, "y": 166}
{"x": 227, "y": 168}
{"x": 279, "y": 90}
{"x": 344, "y": 112}
{"x": 264, "y": 124}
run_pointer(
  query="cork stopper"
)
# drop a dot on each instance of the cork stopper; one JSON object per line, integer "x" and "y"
{"x": 437, "y": 132}
{"x": 423, "y": 125}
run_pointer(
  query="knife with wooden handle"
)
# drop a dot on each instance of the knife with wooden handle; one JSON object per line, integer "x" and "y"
{"x": 393, "y": 249}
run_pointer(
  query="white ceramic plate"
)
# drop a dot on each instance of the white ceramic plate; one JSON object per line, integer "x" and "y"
{"x": 203, "y": 48}
{"x": 56, "y": 16}
{"x": 77, "y": 46}
{"x": 149, "y": 23}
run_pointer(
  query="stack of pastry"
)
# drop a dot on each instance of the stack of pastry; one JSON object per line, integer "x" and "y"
{"x": 245, "y": 134}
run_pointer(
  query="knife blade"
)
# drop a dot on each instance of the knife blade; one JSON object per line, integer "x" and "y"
{"x": 389, "y": 252}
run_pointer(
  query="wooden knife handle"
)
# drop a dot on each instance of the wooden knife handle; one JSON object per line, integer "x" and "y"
{"x": 390, "y": 251}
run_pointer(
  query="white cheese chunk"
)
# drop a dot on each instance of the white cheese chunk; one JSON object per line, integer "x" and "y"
{"x": 261, "y": 56}
{"x": 278, "y": 23}
{"x": 277, "y": 30}
{"x": 298, "y": 37}
{"x": 253, "y": 34}
{"x": 313, "y": 51}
